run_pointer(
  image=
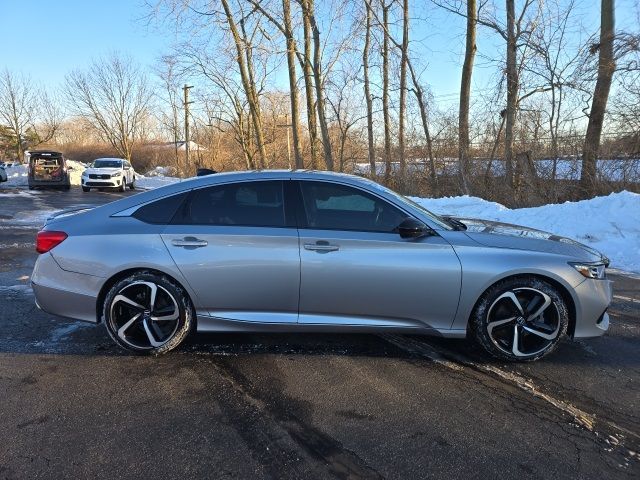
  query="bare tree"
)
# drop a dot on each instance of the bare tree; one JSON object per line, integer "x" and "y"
{"x": 246, "y": 74}
{"x": 113, "y": 94}
{"x": 307, "y": 68}
{"x": 404, "y": 50}
{"x": 170, "y": 98}
{"x": 308, "y": 10}
{"x": 465, "y": 95}
{"x": 606, "y": 68}
{"x": 293, "y": 87}
{"x": 17, "y": 103}
{"x": 31, "y": 116}
{"x": 385, "y": 91}
{"x": 367, "y": 90}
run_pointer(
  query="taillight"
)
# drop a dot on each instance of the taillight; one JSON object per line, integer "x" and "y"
{"x": 46, "y": 240}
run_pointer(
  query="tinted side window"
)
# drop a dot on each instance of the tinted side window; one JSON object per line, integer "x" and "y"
{"x": 161, "y": 211}
{"x": 257, "y": 204}
{"x": 331, "y": 206}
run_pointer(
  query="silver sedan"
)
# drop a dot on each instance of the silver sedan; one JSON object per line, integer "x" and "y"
{"x": 313, "y": 252}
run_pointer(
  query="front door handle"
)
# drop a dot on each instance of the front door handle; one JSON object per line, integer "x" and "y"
{"x": 189, "y": 242}
{"x": 321, "y": 246}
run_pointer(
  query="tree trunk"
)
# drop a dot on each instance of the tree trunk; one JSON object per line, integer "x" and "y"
{"x": 465, "y": 96}
{"x": 367, "y": 92}
{"x": 385, "y": 93}
{"x": 425, "y": 127}
{"x": 403, "y": 88}
{"x": 247, "y": 84}
{"x": 512, "y": 92}
{"x": 606, "y": 67}
{"x": 308, "y": 88}
{"x": 317, "y": 75}
{"x": 293, "y": 87}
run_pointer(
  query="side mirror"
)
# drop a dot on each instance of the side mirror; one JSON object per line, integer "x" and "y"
{"x": 412, "y": 228}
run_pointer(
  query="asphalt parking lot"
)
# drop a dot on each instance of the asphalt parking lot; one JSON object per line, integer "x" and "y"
{"x": 73, "y": 405}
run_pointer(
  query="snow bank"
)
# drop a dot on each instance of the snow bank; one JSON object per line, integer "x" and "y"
{"x": 158, "y": 177}
{"x": 16, "y": 176}
{"x": 610, "y": 224}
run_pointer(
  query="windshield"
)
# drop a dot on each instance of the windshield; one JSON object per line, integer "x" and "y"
{"x": 104, "y": 163}
{"x": 401, "y": 198}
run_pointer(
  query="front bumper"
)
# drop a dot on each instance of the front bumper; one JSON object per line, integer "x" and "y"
{"x": 593, "y": 299}
{"x": 63, "y": 293}
{"x": 100, "y": 183}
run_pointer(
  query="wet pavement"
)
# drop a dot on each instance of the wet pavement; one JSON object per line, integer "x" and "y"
{"x": 300, "y": 405}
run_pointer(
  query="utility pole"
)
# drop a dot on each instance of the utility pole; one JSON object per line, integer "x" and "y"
{"x": 288, "y": 126}
{"x": 186, "y": 124}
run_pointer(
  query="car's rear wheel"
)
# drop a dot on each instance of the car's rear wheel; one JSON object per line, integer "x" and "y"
{"x": 132, "y": 185}
{"x": 520, "y": 319}
{"x": 147, "y": 313}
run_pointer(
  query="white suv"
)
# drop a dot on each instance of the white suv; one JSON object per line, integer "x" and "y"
{"x": 109, "y": 173}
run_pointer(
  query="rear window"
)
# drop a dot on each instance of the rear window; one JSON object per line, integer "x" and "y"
{"x": 46, "y": 162}
{"x": 161, "y": 211}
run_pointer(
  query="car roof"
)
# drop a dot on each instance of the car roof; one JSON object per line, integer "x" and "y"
{"x": 230, "y": 177}
{"x": 44, "y": 152}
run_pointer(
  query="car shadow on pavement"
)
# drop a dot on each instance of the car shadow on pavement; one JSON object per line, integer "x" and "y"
{"x": 62, "y": 337}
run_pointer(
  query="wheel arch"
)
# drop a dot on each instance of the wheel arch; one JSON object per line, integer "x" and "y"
{"x": 563, "y": 290}
{"x": 111, "y": 281}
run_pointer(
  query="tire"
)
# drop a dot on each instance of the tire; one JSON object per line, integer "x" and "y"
{"x": 129, "y": 316}
{"x": 519, "y": 319}
{"x": 122, "y": 186}
{"x": 132, "y": 185}
{"x": 85, "y": 189}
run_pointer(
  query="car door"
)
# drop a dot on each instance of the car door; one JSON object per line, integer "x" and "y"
{"x": 356, "y": 270}
{"x": 238, "y": 249}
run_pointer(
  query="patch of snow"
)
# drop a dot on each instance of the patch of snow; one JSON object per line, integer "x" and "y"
{"x": 16, "y": 176}
{"x": 162, "y": 172}
{"x": 63, "y": 331}
{"x": 158, "y": 177}
{"x": 610, "y": 224}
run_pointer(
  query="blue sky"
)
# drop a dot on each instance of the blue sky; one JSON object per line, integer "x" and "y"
{"x": 47, "y": 39}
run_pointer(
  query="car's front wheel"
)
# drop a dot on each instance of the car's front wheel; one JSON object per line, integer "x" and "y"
{"x": 520, "y": 319}
{"x": 147, "y": 313}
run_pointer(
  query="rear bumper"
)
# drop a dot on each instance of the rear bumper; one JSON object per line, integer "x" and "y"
{"x": 63, "y": 293}
{"x": 64, "y": 182}
{"x": 594, "y": 297}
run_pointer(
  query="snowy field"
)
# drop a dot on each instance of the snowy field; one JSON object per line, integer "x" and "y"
{"x": 610, "y": 224}
{"x": 618, "y": 170}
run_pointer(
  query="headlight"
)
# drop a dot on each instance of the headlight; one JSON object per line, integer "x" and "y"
{"x": 117, "y": 174}
{"x": 590, "y": 270}
{"x": 84, "y": 174}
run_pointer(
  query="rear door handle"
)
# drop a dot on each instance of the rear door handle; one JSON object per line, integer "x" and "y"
{"x": 321, "y": 247}
{"x": 189, "y": 242}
